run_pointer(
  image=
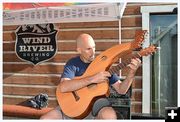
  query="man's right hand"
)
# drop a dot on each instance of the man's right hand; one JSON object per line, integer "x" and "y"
{"x": 100, "y": 77}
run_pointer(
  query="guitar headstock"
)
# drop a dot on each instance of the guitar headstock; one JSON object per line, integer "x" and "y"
{"x": 139, "y": 38}
{"x": 149, "y": 50}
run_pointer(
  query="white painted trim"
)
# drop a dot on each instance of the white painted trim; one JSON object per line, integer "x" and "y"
{"x": 146, "y": 69}
{"x": 156, "y": 9}
{"x": 122, "y": 8}
{"x": 146, "y": 76}
{"x": 178, "y": 55}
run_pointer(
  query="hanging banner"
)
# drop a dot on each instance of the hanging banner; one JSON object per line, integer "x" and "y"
{"x": 74, "y": 13}
{"x": 36, "y": 43}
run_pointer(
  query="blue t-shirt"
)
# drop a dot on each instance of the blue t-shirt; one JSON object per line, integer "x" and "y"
{"x": 76, "y": 67}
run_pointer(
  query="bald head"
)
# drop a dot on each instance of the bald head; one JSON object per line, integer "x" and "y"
{"x": 83, "y": 40}
{"x": 86, "y": 47}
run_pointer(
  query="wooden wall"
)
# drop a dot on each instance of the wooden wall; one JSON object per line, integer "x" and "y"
{"x": 22, "y": 80}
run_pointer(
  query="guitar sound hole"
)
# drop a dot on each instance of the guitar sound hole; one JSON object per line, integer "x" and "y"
{"x": 75, "y": 95}
{"x": 103, "y": 58}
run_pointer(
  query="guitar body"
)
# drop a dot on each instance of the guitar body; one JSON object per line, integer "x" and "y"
{"x": 80, "y": 108}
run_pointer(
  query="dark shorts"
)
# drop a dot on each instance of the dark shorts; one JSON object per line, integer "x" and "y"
{"x": 98, "y": 105}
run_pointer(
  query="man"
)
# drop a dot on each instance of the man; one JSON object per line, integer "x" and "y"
{"x": 77, "y": 66}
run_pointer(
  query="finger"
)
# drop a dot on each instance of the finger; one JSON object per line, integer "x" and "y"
{"x": 107, "y": 74}
{"x": 128, "y": 65}
{"x": 133, "y": 63}
{"x": 139, "y": 60}
{"x": 106, "y": 79}
{"x": 103, "y": 79}
{"x": 131, "y": 66}
{"x": 136, "y": 61}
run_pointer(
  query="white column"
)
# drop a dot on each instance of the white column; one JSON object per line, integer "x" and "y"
{"x": 146, "y": 74}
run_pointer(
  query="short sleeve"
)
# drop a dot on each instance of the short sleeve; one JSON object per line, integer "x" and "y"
{"x": 69, "y": 71}
{"x": 113, "y": 79}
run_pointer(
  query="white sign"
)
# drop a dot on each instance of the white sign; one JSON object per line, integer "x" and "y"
{"x": 75, "y": 13}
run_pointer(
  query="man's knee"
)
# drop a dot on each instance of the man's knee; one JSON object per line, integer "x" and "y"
{"x": 107, "y": 113}
{"x": 43, "y": 117}
{"x": 54, "y": 114}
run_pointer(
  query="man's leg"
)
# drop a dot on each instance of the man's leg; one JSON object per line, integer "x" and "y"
{"x": 53, "y": 114}
{"x": 106, "y": 113}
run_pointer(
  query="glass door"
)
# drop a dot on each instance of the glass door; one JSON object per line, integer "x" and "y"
{"x": 164, "y": 62}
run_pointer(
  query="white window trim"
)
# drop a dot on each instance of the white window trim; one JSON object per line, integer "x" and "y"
{"x": 146, "y": 76}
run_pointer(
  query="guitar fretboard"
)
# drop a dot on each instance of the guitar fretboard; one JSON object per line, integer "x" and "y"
{"x": 121, "y": 65}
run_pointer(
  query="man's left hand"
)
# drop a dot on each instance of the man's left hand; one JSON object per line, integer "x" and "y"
{"x": 135, "y": 63}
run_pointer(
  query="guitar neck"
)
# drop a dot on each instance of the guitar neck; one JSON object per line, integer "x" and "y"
{"x": 121, "y": 65}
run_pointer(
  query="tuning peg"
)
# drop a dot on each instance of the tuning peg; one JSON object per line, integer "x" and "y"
{"x": 158, "y": 48}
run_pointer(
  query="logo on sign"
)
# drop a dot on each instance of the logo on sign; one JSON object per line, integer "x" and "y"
{"x": 36, "y": 43}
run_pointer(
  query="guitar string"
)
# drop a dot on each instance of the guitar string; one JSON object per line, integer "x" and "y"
{"x": 121, "y": 65}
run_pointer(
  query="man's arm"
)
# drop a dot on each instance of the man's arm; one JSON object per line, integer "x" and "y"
{"x": 67, "y": 84}
{"x": 122, "y": 87}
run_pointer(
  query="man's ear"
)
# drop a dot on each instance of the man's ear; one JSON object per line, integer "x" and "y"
{"x": 79, "y": 50}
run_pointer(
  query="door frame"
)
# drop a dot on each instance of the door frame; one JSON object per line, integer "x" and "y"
{"x": 146, "y": 69}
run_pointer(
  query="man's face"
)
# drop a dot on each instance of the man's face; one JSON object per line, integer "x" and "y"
{"x": 88, "y": 51}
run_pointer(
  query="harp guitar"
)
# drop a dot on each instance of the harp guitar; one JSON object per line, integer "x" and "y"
{"x": 78, "y": 104}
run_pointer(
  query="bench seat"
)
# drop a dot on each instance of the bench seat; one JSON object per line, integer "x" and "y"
{"x": 23, "y": 111}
